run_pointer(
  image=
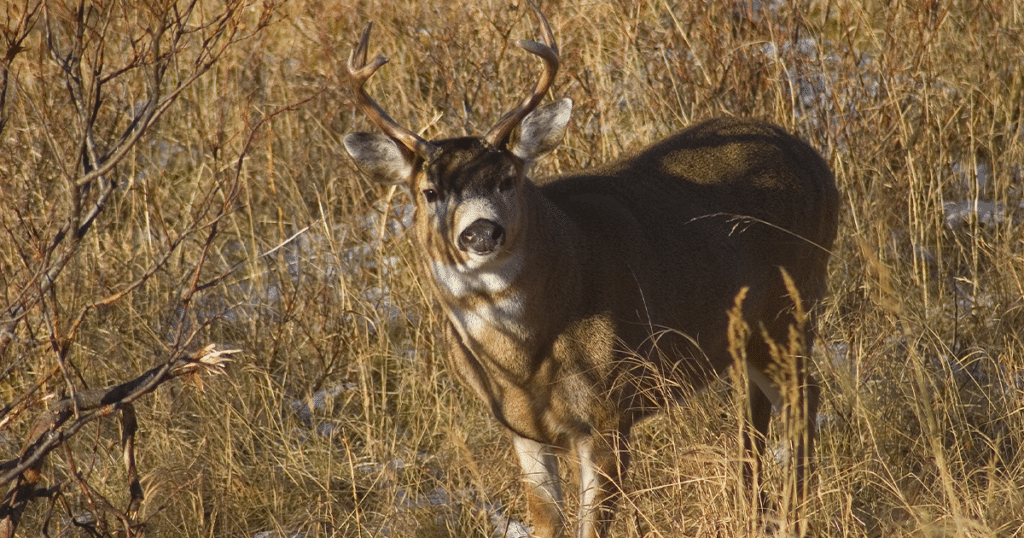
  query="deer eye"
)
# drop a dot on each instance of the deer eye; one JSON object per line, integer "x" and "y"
{"x": 430, "y": 195}
{"x": 507, "y": 184}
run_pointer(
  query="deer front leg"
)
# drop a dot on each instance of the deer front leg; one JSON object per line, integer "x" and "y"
{"x": 603, "y": 463}
{"x": 543, "y": 487}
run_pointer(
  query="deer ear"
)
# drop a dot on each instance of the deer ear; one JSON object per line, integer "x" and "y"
{"x": 542, "y": 131}
{"x": 380, "y": 157}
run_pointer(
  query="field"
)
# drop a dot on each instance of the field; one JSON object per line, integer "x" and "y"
{"x": 172, "y": 176}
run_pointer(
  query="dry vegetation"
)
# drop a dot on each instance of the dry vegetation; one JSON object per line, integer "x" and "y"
{"x": 171, "y": 176}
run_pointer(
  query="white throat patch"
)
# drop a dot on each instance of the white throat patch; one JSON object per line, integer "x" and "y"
{"x": 477, "y": 276}
{"x": 498, "y": 310}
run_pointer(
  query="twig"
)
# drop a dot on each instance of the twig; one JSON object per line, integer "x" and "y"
{"x": 52, "y": 429}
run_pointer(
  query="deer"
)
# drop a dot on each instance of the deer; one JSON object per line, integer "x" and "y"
{"x": 577, "y": 305}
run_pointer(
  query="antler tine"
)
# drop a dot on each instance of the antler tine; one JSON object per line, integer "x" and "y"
{"x": 359, "y": 72}
{"x": 548, "y": 51}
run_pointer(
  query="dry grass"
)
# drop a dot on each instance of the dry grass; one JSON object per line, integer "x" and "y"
{"x": 918, "y": 106}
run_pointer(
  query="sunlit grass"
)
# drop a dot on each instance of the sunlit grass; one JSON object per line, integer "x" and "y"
{"x": 916, "y": 106}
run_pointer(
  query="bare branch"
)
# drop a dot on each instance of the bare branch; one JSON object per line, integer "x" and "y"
{"x": 101, "y": 56}
{"x": 220, "y": 33}
{"x": 53, "y": 428}
{"x": 11, "y": 47}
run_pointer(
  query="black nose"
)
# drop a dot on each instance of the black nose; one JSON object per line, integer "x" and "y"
{"x": 482, "y": 237}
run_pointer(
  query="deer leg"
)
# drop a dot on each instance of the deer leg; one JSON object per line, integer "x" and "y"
{"x": 807, "y": 417}
{"x": 763, "y": 395}
{"x": 800, "y": 424}
{"x": 755, "y": 432}
{"x": 603, "y": 462}
{"x": 543, "y": 487}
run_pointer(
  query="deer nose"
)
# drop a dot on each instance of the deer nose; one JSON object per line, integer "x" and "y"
{"x": 482, "y": 237}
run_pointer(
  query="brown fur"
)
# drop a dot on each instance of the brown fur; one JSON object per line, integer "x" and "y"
{"x": 578, "y": 305}
{"x": 652, "y": 247}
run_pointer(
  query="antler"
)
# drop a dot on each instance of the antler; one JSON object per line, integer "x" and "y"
{"x": 548, "y": 51}
{"x": 359, "y": 72}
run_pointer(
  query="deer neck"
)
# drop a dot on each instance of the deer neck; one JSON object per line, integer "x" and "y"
{"x": 519, "y": 303}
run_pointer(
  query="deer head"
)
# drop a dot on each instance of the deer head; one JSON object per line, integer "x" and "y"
{"x": 467, "y": 190}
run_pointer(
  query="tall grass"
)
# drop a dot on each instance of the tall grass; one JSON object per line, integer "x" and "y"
{"x": 340, "y": 419}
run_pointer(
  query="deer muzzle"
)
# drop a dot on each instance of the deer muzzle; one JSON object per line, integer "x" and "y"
{"x": 482, "y": 237}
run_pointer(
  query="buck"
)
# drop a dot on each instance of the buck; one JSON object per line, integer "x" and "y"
{"x": 580, "y": 304}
